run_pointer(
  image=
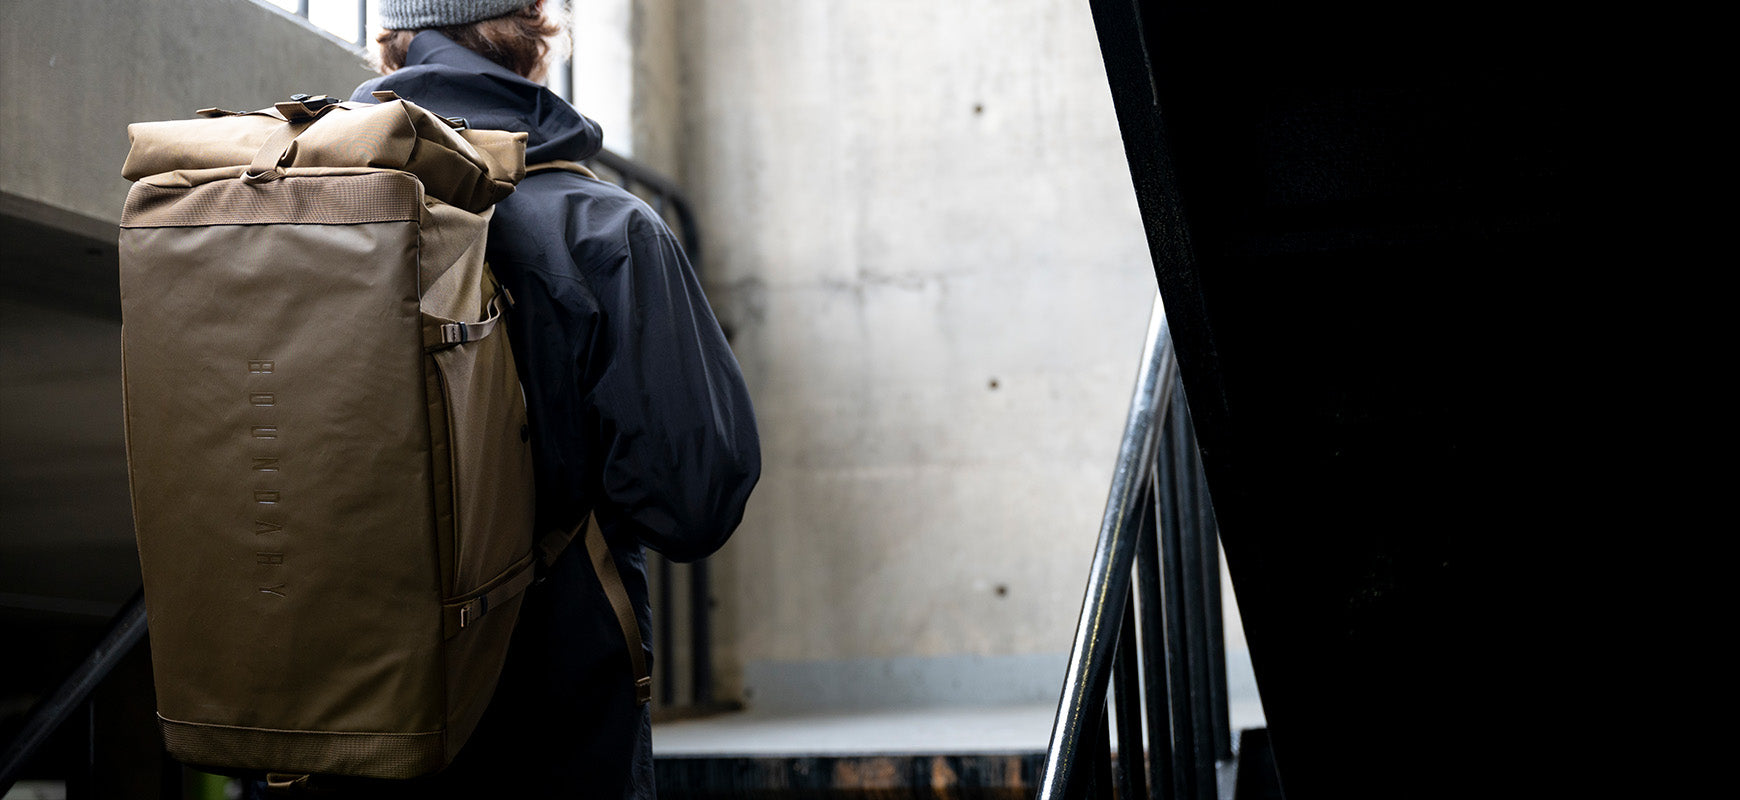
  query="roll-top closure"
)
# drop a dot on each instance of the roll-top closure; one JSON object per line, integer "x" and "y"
{"x": 469, "y": 169}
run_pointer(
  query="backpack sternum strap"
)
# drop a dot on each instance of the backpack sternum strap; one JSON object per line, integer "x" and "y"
{"x": 565, "y": 166}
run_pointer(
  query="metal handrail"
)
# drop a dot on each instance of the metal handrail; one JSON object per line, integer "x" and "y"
{"x": 125, "y": 631}
{"x": 1108, "y": 589}
{"x": 1154, "y": 637}
{"x": 665, "y": 194}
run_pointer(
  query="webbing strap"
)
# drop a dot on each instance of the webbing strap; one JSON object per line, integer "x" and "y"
{"x": 566, "y": 166}
{"x": 550, "y": 547}
{"x": 279, "y": 149}
{"x": 605, "y": 565}
{"x": 282, "y": 783}
{"x": 439, "y": 334}
{"x": 461, "y": 612}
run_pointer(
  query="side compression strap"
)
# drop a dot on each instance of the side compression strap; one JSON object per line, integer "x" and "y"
{"x": 460, "y": 612}
{"x": 552, "y": 546}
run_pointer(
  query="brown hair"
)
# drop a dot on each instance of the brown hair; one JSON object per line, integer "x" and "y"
{"x": 518, "y": 40}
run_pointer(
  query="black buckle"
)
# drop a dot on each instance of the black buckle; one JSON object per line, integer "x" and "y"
{"x": 314, "y": 102}
{"x": 302, "y": 106}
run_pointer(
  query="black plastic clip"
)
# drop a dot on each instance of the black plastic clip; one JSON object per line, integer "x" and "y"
{"x": 314, "y": 102}
{"x": 302, "y": 106}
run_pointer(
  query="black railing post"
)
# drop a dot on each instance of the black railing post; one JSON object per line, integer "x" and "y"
{"x": 90, "y": 773}
{"x": 1127, "y": 685}
{"x": 666, "y": 634}
{"x": 1155, "y": 682}
{"x": 1102, "y": 756}
{"x": 701, "y": 633}
{"x": 1172, "y": 616}
{"x": 1178, "y": 448}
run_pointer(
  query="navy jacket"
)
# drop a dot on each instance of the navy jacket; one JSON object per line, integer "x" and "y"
{"x": 638, "y": 411}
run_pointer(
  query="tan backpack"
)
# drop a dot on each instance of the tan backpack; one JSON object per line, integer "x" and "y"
{"x": 326, "y": 437}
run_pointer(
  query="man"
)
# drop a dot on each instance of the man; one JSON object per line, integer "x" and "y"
{"x": 638, "y": 408}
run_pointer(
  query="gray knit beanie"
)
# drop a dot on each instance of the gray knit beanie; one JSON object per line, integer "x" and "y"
{"x": 404, "y": 15}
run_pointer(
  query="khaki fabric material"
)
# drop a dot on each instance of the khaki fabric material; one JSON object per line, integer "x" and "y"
{"x": 243, "y": 347}
{"x": 182, "y": 179}
{"x": 471, "y": 169}
{"x": 375, "y": 196}
{"x": 387, "y": 755}
{"x": 313, "y": 490}
{"x": 452, "y": 274}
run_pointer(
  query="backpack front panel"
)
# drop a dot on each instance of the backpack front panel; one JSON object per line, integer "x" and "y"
{"x": 283, "y": 481}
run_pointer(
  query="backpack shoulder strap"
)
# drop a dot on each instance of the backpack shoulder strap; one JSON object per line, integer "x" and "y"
{"x": 566, "y": 166}
{"x": 604, "y": 564}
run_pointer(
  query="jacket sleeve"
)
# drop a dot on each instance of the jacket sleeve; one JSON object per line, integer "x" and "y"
{"x": 670, "y": 414}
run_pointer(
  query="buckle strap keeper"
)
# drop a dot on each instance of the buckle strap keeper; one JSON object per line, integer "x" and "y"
{"x": 440, "y": 334}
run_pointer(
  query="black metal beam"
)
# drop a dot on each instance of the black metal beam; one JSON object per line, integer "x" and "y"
{"x": 1370, "y": 225}
{"x": 1208, "y": 534}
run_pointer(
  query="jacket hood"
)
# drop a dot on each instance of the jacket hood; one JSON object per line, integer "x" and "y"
{"x": 450, "y": 80}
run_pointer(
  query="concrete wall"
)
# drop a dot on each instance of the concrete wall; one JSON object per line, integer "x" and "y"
{"x": 920, "y": 229}
{"x": 659, "y": 86}
{"x": 74, "y": 73}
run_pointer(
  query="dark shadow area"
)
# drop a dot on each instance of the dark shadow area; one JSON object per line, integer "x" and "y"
{"x": 1371, "y": 225}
